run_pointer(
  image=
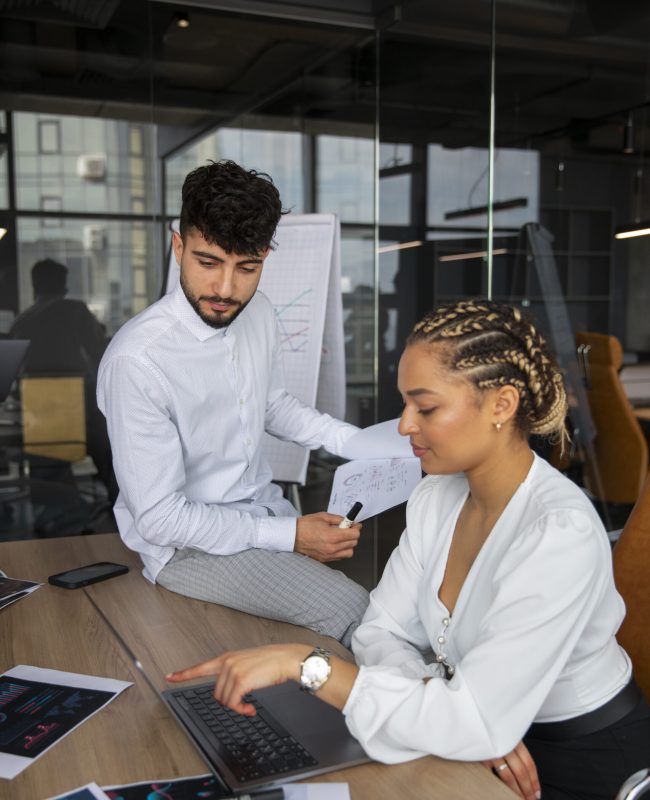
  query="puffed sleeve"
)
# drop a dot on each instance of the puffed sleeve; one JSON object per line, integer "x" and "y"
{"x": 391, "y": 633}
{"x": 544, "y": 591}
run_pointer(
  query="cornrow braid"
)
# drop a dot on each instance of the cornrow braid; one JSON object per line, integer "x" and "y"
{"x": 497, "y": 345}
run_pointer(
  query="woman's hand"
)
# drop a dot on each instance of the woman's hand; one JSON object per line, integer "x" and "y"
{"x": 518, "y": 771}
{"x": 241, "y": 671}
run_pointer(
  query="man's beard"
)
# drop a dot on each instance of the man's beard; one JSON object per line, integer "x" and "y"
{"x": 215, "y": 319}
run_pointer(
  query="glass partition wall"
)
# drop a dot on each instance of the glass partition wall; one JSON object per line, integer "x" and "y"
{"x": 438, "y": 134}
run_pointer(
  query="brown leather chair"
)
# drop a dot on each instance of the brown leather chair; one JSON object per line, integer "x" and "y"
{"x": 631, "y": 571}
{"x": 54, "y": 418}
{"x": 621, "y": 463}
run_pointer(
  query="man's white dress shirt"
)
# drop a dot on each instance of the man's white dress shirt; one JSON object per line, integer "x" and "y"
{"x": 531, "y": 637}
{"x": 186, "y": 407}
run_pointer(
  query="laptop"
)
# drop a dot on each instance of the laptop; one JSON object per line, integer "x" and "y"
{"x": 12, "y": 353}
{"x": 293, "y": 736}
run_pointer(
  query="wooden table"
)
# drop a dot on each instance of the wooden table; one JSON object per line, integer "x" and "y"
{"x": 135, "y": 737}
{"x": 642, "y": 414}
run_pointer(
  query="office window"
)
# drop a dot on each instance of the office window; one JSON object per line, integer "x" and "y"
{"x": 4, "y": 184}
{"x": 457, "y": 182}
{"x": 93, "y": 171}
{"x": 278, "y": 153}
{"x": 136, "y": 141}
{"x": 395, "y": 169}
{"x": 345, "y": 177}
{"x": 49, "y": 136}
{"x": 54, "y": 204}
{"x": 103, "y": 258}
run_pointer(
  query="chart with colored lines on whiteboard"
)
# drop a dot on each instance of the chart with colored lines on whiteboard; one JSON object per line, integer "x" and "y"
{"x": 294, "y": 322}
{"x": 302, "y": 279}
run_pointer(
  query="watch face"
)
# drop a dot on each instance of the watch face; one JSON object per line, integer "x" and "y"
{"x": 316, "y": 670}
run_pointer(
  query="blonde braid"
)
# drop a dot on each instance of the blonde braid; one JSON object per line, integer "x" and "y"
{"x": 497, "y": 345}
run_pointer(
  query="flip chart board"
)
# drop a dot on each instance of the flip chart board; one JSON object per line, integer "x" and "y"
{"x": 302, "y": 278}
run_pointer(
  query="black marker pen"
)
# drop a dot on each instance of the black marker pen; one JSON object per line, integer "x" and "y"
{"x": 349, "y": 518}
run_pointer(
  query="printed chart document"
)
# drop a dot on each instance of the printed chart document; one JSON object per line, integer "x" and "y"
{"x": 88, "y": 792}
{"x": 12, "y": 589}
{"x": 207, "y": 787}
{"x": 40, "y": 706}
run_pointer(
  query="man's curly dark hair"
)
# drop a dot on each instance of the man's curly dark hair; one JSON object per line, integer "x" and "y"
{"x": 238, "y": 210}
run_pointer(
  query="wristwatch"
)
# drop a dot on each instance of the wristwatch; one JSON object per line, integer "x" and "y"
{"x": 315, "y": 670}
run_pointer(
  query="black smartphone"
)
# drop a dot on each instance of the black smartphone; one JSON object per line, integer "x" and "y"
{"x": 92, "y": 573}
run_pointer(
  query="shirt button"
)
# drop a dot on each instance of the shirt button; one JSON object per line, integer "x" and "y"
{"x": 241, "y": 401}
{"x": 249, "y": 442}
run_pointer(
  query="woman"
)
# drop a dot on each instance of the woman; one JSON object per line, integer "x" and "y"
{"x": 504, "y": 572}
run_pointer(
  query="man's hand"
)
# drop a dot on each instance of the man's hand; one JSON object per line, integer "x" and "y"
{"x": 518, "y": 771}
{"x": 319, "y": 537}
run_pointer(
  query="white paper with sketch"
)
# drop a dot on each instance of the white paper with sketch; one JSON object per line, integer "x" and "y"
{"x": 377, "y": 483}
{"x": 378, "y": 441}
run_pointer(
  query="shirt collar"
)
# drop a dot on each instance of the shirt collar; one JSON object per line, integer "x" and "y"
{"x": 191, "y": 320}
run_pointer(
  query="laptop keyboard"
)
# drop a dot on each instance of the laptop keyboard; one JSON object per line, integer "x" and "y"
{"x": 257, "y": 747}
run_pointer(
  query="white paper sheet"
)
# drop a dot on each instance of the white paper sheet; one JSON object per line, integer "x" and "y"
{"x": 12, "y": 764}
{"x": 378, "y": 441}
{"x": 88, "y": 792}
{"x": 377, "y": 483}
{"x": 316, "y": 791}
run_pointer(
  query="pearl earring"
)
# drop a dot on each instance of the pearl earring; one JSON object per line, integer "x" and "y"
{"x": 497, "y": 425}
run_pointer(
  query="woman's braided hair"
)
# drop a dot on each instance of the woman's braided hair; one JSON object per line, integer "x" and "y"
{"x": 497, "y": 345}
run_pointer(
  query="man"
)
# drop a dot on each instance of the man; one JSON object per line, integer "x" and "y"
{"x": 188, "y": 388}
{"x": 66, "y": 339}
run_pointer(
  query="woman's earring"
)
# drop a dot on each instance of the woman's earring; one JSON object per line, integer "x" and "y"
{"x": 497, "y": 425}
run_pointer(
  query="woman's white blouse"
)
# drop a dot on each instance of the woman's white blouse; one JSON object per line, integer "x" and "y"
{"x": 531, "y": 637}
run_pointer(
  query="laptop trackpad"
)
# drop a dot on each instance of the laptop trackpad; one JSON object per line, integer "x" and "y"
{"x": 320, "y": 727}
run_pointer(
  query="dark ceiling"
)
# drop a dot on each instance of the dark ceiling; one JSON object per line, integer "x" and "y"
{"x": 568, "y": 74}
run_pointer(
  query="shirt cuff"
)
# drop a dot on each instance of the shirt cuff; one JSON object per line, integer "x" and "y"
{"x": 344, "y": 432}
{"x": 276, "y": 533}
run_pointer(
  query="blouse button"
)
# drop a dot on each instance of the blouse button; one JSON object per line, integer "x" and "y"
{"x": 445, "y": 621}
{"x": 441, "y": 640}
{"x": 440, "y": 657}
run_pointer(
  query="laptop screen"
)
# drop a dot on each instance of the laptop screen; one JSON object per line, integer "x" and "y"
{"x": 12, "y": 353}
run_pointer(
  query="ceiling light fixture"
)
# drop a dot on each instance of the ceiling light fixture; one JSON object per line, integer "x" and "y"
{"x": 640, "y": 228}
{"x": 389, "y": 248}
{"x": 500, "y": 205}
{"x": 501, "y": 251}
{"x": 181, "y": 19}
{"x": 3, "y": 232}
